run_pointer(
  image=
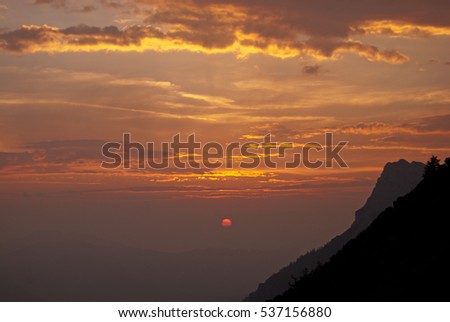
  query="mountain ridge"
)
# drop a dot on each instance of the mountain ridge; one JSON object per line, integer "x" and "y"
{"x": 397, "y": 179}
{"x": 401, "y": 256}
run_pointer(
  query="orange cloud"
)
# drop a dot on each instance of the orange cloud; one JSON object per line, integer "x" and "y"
{"x": 401, "y": 29}
{"x": 372, "y": 53}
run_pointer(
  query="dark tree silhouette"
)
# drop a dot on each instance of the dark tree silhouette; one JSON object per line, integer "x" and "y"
{"x": 447, "y": 163}
{"x": 432, "y": 166}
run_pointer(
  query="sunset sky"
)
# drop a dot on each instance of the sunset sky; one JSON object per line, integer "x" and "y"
{"x": 75, "y": 74}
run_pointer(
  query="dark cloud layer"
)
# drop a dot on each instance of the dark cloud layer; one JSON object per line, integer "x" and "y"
{"x": 285, "y": 28}
{"x": 53, "y": 152}
{"x": 27, "y": 37}
{"x": 327, "y": 24}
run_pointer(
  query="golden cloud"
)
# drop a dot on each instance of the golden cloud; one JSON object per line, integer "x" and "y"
{"x": 83, "y": 38}
{"x": 283, "y": 29}
{"x": 400, "y": 29}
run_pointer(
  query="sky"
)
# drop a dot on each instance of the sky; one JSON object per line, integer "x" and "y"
{"x": 77, "y": 74}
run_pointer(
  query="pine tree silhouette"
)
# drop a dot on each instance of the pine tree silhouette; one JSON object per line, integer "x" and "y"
{"x": 447, "y": 163}
{"x": 432, "y": 166}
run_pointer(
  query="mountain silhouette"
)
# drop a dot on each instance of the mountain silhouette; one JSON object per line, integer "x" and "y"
{"x": 397, "y": 179}
{"x": 401, "y": 256}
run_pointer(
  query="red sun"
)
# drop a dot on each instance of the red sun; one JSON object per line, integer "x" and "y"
{"x": 227, "y": 223}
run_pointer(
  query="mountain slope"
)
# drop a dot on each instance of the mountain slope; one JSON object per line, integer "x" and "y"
{"x": 397, "y": 179}
{"x": 402, "y": 256}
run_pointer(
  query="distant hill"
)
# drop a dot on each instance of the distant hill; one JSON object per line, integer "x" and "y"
{"x": 60, "y": 269}
{"x": 402, "y": 256}
{"x": 396, "y": 180}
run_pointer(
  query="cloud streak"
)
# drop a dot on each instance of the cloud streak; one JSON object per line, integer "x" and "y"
{"x": 54, "y": 3}
{"x": 401, "y": 29}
